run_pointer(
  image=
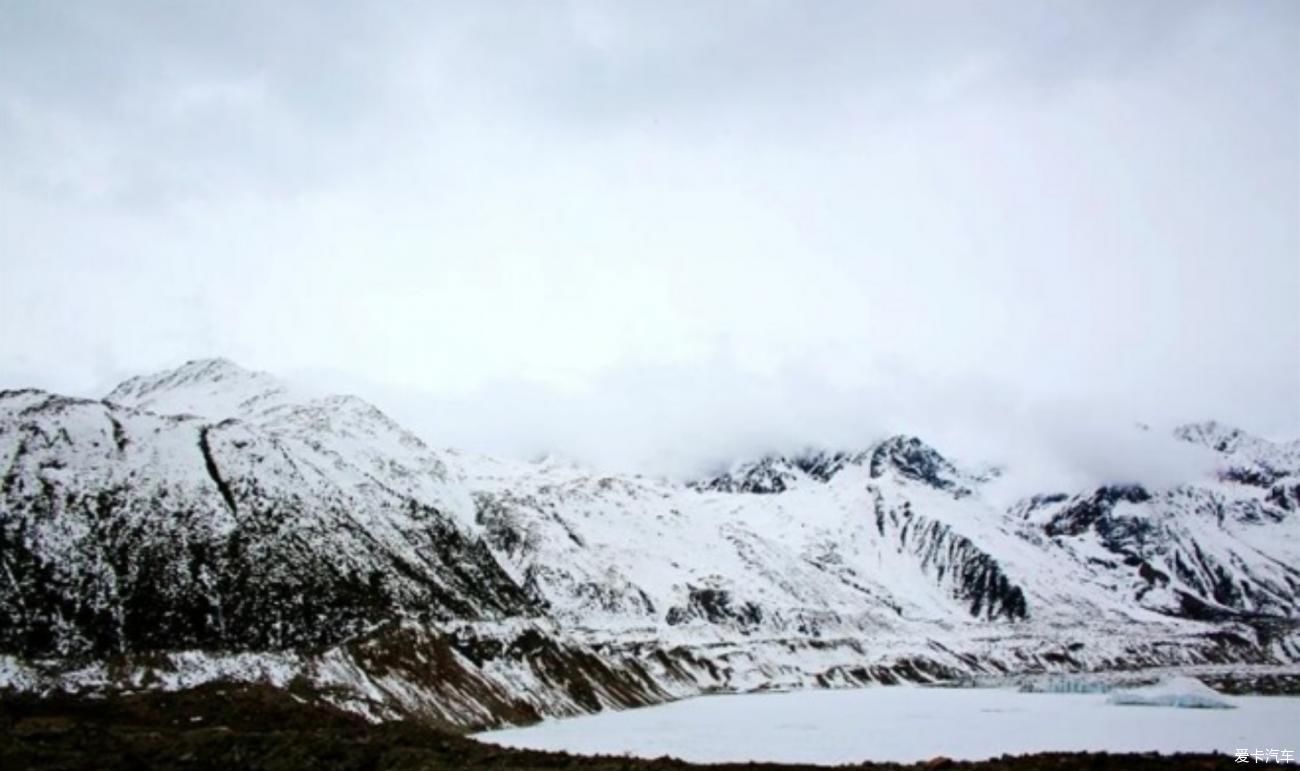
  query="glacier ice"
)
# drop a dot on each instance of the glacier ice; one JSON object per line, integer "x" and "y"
{"x": 1066, "y": 685}
{"x": 1180, "y": 691}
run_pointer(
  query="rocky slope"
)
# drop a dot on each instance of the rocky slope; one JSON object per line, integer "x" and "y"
{"x": 208, "y": 522}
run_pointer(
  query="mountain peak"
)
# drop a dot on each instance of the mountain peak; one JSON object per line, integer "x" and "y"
{"x": 912, "y": 458}
{"x": 906, "y": 456}
{"x": 768, "y": 474}
{"x": 1213, "y": 434}
{"x": 1249, "y": 459}
{"x": 216, "y": 364}
{"x": 215, "y": 388}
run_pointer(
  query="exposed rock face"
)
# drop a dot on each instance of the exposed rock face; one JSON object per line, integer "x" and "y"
{"x": 127, "y": 531}
{"x": 912, "y": 459}
{"x": 772, "y": 474}
{"x": 1083, "y": 514}
{"x": 715, "y": 606}
{"x": 209, "y": 522}
{"x": 1286, "y": 496}
{"x": 903, "y": 456}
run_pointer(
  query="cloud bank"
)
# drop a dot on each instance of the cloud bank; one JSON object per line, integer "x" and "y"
{"x": 660, "y": 233}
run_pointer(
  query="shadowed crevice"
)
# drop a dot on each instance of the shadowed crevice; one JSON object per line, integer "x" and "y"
{"x": 211, "y": 464}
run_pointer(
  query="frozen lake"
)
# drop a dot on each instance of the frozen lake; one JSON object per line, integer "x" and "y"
{"x": 910, "y": 723}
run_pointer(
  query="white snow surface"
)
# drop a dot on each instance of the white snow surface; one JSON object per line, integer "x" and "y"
{"x": 907, "y": 724}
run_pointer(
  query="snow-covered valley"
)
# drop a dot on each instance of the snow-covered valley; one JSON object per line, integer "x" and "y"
{"x": 208, "y": 522}
{"x": 910, "y": 723}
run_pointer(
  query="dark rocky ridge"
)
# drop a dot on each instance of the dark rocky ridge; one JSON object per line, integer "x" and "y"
{"x": 907, "y": 456}
{"x": 142, "y": 566}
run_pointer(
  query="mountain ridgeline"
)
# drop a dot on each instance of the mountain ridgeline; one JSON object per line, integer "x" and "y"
{"x": 210, "y": 523}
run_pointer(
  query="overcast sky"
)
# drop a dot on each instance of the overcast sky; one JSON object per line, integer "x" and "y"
{"x": 659, "y": 232}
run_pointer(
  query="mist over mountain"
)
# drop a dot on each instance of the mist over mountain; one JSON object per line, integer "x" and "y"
{"x": 686, "y": 422}
{"x": 718, "y": 233}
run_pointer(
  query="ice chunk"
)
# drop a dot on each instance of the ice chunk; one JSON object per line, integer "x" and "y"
{"x": 1173, "y": 692}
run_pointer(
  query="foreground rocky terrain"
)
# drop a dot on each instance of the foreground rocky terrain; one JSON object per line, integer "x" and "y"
{"x": 211, "y": 524}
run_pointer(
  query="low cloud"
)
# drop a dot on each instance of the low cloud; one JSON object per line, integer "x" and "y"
{"x": 689, "y": 422}
{"x": 666, "y": 234}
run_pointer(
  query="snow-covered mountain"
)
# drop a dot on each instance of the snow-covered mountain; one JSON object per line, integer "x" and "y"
{"x": 211, "y": 522}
